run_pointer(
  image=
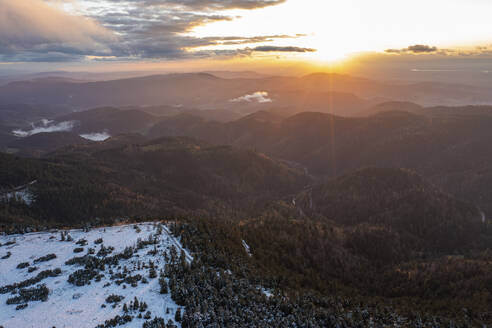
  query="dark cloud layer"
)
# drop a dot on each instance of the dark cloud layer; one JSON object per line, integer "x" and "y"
{"x": 282, "y": 49}
{"x": 156, "y": 29}
{"x": 208, "y": 4}
{"x": 236, "y": 40}
{"x": 32, "y": 30}
{"x": 416, "y": 49}
{"x": 419, "y": 48}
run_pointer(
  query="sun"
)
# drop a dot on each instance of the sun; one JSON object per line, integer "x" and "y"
{"x": 313, "y": 23}
{"x": 339, "y": 28}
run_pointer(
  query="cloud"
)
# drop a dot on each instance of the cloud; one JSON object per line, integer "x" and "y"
{"x": 211, "y": 4}
{"x": 157, "y": 29}
{"x": 236, "y": 40}
{"x": 97, "y": 136}
{"x": 416, "y": 49}
{"x": 259, "y": 96}
{"x": 33, "y": 28}
{"x": 41, "y": 31}
{"x": 484, "y": 51}
{"x": 282, "y": 49}
{"x": 45, "y": 126}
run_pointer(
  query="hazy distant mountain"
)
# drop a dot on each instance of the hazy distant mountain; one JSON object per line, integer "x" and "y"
{"x": 424, "y": 93}
{"x": 74, "y": 76}
{"x": 338, "y": 94}
{"x": 437, "y": 111}
{"x": 396, "y": 106}
{"x": 237, "y": 75}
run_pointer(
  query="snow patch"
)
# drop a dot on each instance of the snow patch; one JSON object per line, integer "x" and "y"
{"x": 246, "y": 248}
{"x": 23, "y": 195}
{"x": 267, "y": 292}
{"x": 72, "y": 306}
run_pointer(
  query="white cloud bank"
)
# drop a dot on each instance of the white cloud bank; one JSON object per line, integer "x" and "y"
{"x": 46, "y": 126}
{"x": 258, "y": 96}
{"x": 99, "y": 136}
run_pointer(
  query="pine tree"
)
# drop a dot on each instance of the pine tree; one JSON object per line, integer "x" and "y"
{"x": 152, "y": 272}
{"x": 177, "y": 316}
{"x": 163, "y": 284}
{"x": 182, "y": 258}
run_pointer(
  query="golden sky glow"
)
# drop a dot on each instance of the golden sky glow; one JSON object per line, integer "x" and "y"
{"x": 316, "y": 33}
{"x": 337, "y": 28}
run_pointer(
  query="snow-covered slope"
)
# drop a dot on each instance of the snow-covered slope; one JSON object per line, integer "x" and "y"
{"x": 69, "y": 305}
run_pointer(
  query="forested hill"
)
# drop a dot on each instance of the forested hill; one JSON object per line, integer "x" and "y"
{"x": 448, "y": 146}
{"x": 382, "y": 236}
{"x": 343, "y": 237}
{"x": 398, "y": 207}
{"x": 122, "y": 178}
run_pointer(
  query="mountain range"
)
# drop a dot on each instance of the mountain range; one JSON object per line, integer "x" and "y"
{"x": 309, "y": 185}
{"x": 338, "y": 94}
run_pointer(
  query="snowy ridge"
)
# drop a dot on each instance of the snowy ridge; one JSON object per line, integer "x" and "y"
{"x": 69, "y": 305}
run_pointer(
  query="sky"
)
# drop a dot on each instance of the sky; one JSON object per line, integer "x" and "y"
{"x": 200, "y": 34}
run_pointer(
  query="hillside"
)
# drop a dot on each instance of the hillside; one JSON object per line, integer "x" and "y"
{"x": 395, "y": 205}
{"x": 241, "y": 212}
{"x": 19, "y": 114}
{"x": 39, "y": 144}
{"x": 169, "y": 176}
{"x": 438, "y": 144}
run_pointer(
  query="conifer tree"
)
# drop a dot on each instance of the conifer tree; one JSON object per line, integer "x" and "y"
{"x": 163, "y": 284}
{"x": 177, "y": 315}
